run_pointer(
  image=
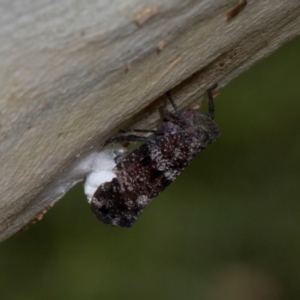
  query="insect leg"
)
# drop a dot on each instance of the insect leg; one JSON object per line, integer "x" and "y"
{"x": 177, "y": 112}
{"x": 128, "y": 138}
{"x": 211, "y": 107}
{"x": 165, "y": 114}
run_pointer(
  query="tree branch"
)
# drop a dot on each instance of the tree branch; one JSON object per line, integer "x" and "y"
{"x": 74, "y": 73}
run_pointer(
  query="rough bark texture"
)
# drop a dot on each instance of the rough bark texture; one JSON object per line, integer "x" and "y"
{"x": 74, "y": 72}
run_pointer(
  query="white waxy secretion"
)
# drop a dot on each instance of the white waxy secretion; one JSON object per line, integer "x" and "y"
{"x": 99, "y": 167}
{"x": 101, "y": 170}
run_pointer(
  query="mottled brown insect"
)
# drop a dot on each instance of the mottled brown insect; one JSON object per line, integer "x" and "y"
{"x": 146, "y": 171}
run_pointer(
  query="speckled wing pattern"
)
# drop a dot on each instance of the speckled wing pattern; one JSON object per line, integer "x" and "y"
{"x": 141, "y": 176}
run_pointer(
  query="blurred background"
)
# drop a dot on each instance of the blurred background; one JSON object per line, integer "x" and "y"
{"x": 227, "y": 228}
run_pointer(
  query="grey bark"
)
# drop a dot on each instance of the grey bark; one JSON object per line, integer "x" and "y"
{"x": 74, "y": 72}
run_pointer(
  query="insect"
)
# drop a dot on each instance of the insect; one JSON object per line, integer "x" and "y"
{"x": 147, "y": 170}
